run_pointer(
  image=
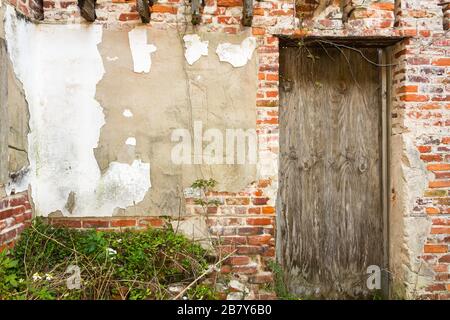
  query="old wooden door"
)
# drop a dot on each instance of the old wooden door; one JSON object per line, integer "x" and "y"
{"x": 330, "y": 223}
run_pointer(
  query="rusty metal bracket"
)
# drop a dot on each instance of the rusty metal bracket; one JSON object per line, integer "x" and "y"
{"x": 143, "y": 8}
{"x": 87, "y": 9}
{"x": 247, "y": 15}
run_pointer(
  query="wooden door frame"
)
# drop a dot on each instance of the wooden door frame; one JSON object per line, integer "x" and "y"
{"x": 384, "y": 58}
{"x": 383, "y": 45}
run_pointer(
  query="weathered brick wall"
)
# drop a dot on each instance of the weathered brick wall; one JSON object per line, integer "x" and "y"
{"x": 15, "y": 215}
{"x": 421, "y": 114}
{"x": 243, "y": 223}
{"x": 32, "y": 9}
{"x": 420, "y": 118}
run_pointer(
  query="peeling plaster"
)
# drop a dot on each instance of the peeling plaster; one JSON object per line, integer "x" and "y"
{"x": 131, "y": 141}
{"x": 417, "y": 228}
{"x": 59, "y": 67}
{"x": 127, "y": 113}
{"x": 237, "y": 55}
{"x": 140, "y": 50}
{"x": 410, "y": 179}
{"x": 195, "y": 48}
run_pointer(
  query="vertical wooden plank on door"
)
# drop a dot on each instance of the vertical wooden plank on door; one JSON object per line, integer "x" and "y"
{"x": 330, "y": 224}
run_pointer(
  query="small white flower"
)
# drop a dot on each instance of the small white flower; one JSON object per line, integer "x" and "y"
{"x": 36, "y": 277}
{"x": 185, "y": 298}
{"x": 48, "y": 277}
{"x": 111, "y": 251}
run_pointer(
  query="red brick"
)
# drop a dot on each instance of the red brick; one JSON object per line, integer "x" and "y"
{"x": 436, "y": 287}
{"x": 439, "y": 167}
{"x": 16, "y": 201}
{"x": 424, "y": 149}
{"x": 278, "y": 13}
{"x": 442, "y": 62}
{"x": 249, "y": 250}
{"x": 28, "y": 215}
{"x": 237, "y": 201}
{"x": 163, "y": 9}
{"x": 272, "y": 77}
{"x": 7, "y": 236}
{"x": 213, "y": 209}
{"x": 258, "y": 31}
{"x": 440, "y": 230}
{"x": 388, "y": 6}
{"x": 123, "y": 223}
{"x": 229, "y": 3}
{"x": 95, "y": 223}
{"x": 260, "y": 201}
{"x": 431, "y": 157}
{"x": 129, "y": 16}
{"x": 12, "y": 212}
{"x": 249, "y": 231}
{"x": 258, "y": 11}
{"x": 49, "y": 4}
{"x": 268, "y": 210}
{"x": 414, "y": 98}
{"x": 19, "y": 218}
{"x": 226, "y": 249}
{"x": 432, "y": 210}
{"x": 261, "y": 239}
{"x": 268, "y": 252}
{"x": 225, "y": 269}
{"x": 442, "y": 175}
{"x": 70, "y": 223}
{"x": 237, "y": 260}
{"x": 234, "y": 240}
{"x": 254, "y": 210}
{"x": 440, "y": 268}
{"x": 439, "y": 184}
{"x": 436, "y": 248}
{"x": 244, "y": 269}
{"x": 259, "y": 221}
{"x": 65, "y": 4}
{"x": 445, "y": 259}
{"x": 418, "y": 61}
{"x": 152, "y": 221}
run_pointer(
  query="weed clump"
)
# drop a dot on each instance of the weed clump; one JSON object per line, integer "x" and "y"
{"x": 59, "y": 263}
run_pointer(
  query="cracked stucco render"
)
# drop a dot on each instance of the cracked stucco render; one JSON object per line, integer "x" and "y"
{"x": 59, "y": 67}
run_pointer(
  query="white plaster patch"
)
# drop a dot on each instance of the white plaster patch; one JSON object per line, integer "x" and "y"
{"x": 59, "y": 68}
{"x": 140, "y": 50}
{"x": 131, "y": 141}
{"x": 112, "y": 58}
{"x": 127, "y": 113}
{"x": 195, "y": 48}
{"x": 237, "y": 55}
